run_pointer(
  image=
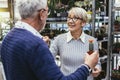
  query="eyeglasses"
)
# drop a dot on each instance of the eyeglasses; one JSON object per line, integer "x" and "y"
{"x": 48, "y": 11}
{"x": 74, "y": 19}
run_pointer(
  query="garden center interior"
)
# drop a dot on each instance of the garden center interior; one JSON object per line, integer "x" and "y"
{"x": 103, "y": 24}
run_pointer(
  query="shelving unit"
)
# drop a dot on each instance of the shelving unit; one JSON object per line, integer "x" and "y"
{"x": 111, "y": 61}
{"x": 7, "y": 19}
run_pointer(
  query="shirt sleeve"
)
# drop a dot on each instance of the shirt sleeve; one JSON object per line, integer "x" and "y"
{"x": 54, "y": 48}
{"x": 96, "y": 48}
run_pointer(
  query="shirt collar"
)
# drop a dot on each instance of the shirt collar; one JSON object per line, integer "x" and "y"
{"x": 70, "y": 37}
{"x": 27, "y": 27}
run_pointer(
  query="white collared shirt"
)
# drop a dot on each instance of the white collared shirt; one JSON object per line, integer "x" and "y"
{"x": 27, "y": 27}
{"x": 70, "y": 37}
{"x": 72, "y": 51}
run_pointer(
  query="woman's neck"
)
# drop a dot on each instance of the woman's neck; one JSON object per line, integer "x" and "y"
{"x": 76, "y": 34}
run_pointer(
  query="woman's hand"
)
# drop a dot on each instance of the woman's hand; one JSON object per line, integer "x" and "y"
{"x": 96, "y": 71}
{"x": 46, "y": 39}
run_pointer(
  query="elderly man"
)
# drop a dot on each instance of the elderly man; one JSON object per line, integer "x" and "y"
{"x": 26, "y": 56}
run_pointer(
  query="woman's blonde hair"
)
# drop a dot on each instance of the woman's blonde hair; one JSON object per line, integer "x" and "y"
{"x": 79, "y": 12}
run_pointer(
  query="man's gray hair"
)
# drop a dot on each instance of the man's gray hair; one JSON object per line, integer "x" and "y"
{"x": 28, "y": 8}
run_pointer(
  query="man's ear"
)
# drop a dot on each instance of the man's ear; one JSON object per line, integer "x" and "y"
{"x": 41, "y": 15}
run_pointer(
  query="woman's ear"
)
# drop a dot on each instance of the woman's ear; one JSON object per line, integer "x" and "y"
{"x": 83, "y": 23}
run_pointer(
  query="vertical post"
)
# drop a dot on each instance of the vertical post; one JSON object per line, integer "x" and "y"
{"x": 104, "y": 10}
{"x": 105, "y": 4}
{"x": 110, "y": 39}
{"x": 11, "y": 10}
{"x": 93, "y": 18}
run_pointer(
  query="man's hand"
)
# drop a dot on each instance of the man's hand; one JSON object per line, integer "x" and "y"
{"x": 96, "y": 71}
{"x": 92, "y": 60}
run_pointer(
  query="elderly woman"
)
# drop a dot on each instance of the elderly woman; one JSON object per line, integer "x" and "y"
{"x": 73, "y": 45}
{"x": 26, "y": 56}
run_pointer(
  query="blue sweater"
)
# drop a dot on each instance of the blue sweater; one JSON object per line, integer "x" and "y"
{"x": 27, "y": 57}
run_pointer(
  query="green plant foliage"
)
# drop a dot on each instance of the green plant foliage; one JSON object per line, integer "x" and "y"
{"x": 115, "y": 74}
{"x": 97, "y": 5}
{"x": 116, "y": 47}
{"x": 100, "y": 33}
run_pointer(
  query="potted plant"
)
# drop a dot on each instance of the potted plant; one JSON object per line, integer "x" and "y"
{"x": 115, "y": 74}
{"x": 116, "y": 47}
{"x": 100, "y": 33}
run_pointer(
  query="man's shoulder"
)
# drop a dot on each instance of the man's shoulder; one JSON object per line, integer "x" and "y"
{"x": 22, "y": 36}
